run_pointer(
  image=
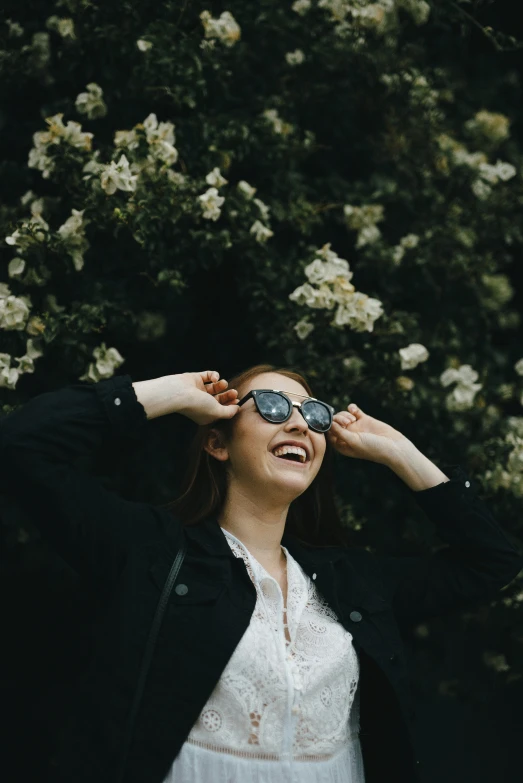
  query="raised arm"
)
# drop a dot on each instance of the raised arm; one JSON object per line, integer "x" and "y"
{"x": 91, "y": 527}
{"x": 477, "y": 561}
{"x": 479, "y": 558}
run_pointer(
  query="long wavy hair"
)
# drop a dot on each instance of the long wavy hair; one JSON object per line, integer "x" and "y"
{"x": 312, "y": 518}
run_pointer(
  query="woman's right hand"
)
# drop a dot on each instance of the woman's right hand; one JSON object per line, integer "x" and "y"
{"x": 203, "y": 397}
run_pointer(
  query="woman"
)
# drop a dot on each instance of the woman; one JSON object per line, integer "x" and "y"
{"x": 279, "y": 658}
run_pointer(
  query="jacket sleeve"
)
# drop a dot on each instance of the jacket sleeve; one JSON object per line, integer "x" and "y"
{"x": 91, "y": 527}
{"x": 477, "y": 561}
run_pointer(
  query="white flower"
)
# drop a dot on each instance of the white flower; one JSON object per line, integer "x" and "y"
{"x": 261, "y": 232}
{"x": 301, "y": 6}
{"x": 15, "y": 29}
{"x": 8, "y": 377}
{"x": 117, "y": 176}
{"x": 296, "y": 57}
{"x": 367, "y": 235}
{"x": 264, "y": 209}
{"x": 363, "y": 220}
{"x": 303, "y": 328}
{"x": 126, "y": 138}
{"x": 57, "y": 133}
{"x": 143, "y": 45}
{"x": 504, "y": 170}
{"x": 64, "y": 27}
{"x": 5, "y": 291}
{"x": 158, "y": 131}
{"x": 409, "y": 241}
{"x": 215, "y": 178}
{"x": 211, "y": 202}
{"x": 412, "y": 355}
{"x": 328, "y": 271}
{"x": 160, "y": 137}
{"x": 14, "y": 312}
{"x": 25, "y": 364}
{"x": 16, "y": 267}
{"x": 480, "y": 189}
{"x": 491, "y": 125}
{"x": 225, "y": 28}
{"x": 245, "y": 189}
{"x": 462, "y": 396}
{"x": 359, "y": 312}
{"x": 33, "y": 349}
{"x": 278, "y": 125}
{"x": 519, "y": 367}
{"x": 91, "y": 102}
{"x": 107, "y": 361}
{"x": 72, "y": 234}
{"x": 164, "y": 152}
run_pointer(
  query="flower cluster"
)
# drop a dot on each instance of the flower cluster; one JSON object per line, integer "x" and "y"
{"x": 489, "y": 126}
{"x": 91, "y": 102}
{"x": 301, "y": 6}
{"x": 224, "y": 29}
{"x": 57, "y": 134}
{"x": 363, "y": 220}
{"x": 107, "y": 361}
{"x": 510, "y": 475}
{"x": 30, "y": 231}
{"x": 331, "y": 276}
{"x": 412, "y": 355}
{"x": 14, "y": 310}
{"x": 380, "y": 16}
{"x": 63, "y": 26}
{"x": 9, "y": 375}
{"x": 462, "y": 396}
{"x": 486, "y": 174}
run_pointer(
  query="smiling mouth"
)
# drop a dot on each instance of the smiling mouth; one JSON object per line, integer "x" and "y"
{"x": 288, "y": 461}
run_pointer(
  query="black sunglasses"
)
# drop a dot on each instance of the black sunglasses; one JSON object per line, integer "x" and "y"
{"x": 274, "y": 406}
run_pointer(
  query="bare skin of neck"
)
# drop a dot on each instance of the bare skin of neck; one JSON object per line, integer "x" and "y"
{"x": 260, "y": 528}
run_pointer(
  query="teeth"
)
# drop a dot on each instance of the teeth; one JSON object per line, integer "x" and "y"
{"x": 291, "y": 450}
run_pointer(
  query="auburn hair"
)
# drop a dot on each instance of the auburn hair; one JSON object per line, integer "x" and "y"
{"x": 312, "y": 518}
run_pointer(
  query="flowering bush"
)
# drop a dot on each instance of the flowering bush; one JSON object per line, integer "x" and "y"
{"x": 323, "y": 183}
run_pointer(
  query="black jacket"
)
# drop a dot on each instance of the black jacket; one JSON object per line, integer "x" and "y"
{"x": 125, "y": 550}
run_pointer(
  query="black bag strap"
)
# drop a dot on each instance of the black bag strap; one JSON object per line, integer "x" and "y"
{"x": 148, "y": 654}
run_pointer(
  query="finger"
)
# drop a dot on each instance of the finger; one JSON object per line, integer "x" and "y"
{"x": 227, "y": 397}
{"x": 353, "y": 408}
{"x": 210, "y": 376}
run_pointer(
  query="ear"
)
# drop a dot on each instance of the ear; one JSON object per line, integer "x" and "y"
{"x": 215, "y": 446}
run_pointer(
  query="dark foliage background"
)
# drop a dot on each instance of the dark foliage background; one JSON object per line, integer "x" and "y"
{"x": 388, "y": 134}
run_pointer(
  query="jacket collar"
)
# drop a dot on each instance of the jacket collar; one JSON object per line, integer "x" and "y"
{"x": 208, "y": 536}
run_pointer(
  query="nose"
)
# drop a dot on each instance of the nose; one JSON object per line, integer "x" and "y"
{"x": 296, "y": 421}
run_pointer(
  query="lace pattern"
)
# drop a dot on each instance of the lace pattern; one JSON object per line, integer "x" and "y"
{"x": 284, "y": 697}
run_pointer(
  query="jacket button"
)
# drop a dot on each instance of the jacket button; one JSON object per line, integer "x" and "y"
{"x": 117, "y": 401}
{"x": 181, "y": 589}
{"x": 392, "y": 657}
{"x": 314, "y": 576}
{"x": 355, "y": 617}
{"x": 467, "y": 483}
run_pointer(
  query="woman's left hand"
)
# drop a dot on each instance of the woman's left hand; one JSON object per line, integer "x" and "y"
{"x": 355, "y": 434}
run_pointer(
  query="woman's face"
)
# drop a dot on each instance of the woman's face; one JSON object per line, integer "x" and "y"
{"x": 249, "y": 452}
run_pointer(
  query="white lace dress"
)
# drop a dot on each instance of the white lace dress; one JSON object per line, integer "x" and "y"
{"x": 285, "y": 709}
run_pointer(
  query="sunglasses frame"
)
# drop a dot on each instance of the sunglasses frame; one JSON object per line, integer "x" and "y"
{"x": 254, "y": 392}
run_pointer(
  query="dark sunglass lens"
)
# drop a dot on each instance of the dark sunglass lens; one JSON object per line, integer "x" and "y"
{"x": 317, "y": 415}
{"x": 273, "y": 406}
